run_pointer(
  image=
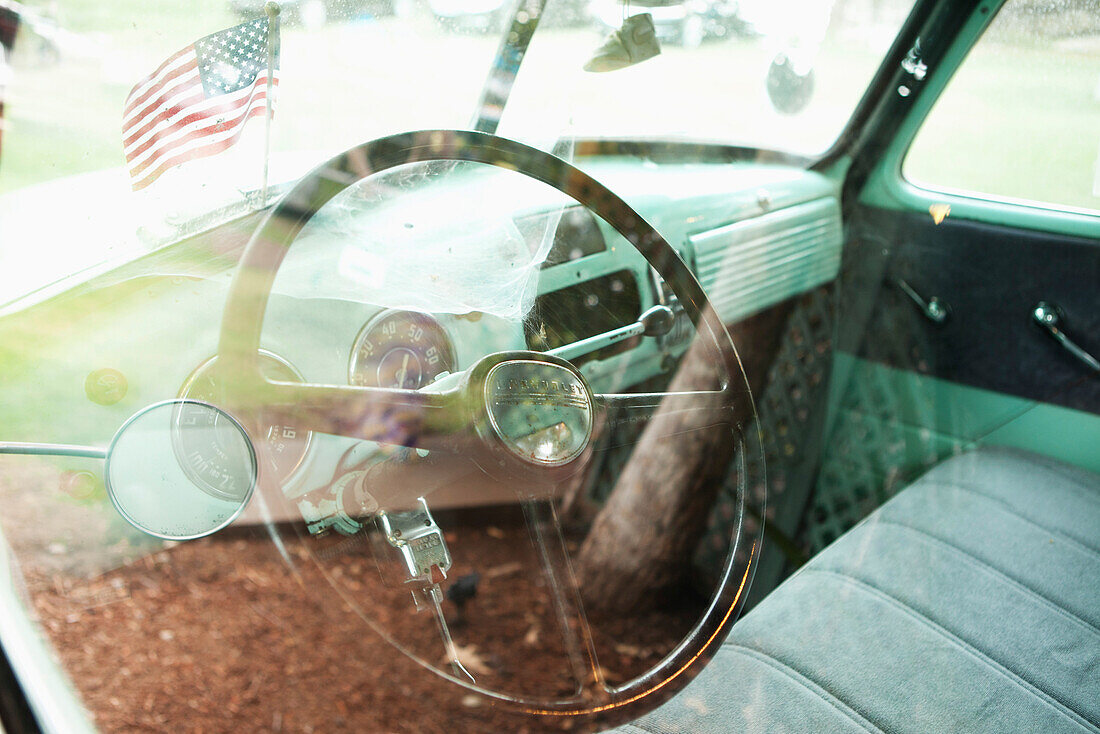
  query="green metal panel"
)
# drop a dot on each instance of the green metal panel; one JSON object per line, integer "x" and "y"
{"x": 889, "y": 426}
{"x": 755, "y": 263}
{"x": 965, "y": 415}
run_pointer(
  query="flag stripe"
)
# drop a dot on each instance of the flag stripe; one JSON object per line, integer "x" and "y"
{"x": 182, "y": 103}
{"x": 195, "y": 132}
{"x": 185, "y": 112}
{"x": 200, "y": 152}
{"x": 160, "y": 69}
{"x": 202, "y": 126}
{"x": 208, "y": 146}
{"x": 191, "y": 83}
{"x": 140, "y": 93}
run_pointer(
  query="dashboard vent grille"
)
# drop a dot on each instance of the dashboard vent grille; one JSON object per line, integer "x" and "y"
{"x": 750, "y": 265}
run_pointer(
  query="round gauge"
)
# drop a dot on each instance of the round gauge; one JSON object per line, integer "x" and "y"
{"x": 203, "y": 460}
{"x": 400, "y": 349}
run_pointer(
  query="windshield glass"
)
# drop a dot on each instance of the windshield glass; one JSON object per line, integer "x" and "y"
{"x": 352, "y": 70}
{"x": 776, "y": 76}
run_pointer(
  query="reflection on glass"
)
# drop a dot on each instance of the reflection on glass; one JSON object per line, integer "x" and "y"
{"x": 180, "y": 469}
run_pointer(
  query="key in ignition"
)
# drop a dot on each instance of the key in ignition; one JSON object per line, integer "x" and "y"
{"x": 423, "y": 549}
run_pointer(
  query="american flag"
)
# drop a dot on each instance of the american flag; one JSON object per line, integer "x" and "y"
{"x": 196, "y": 103}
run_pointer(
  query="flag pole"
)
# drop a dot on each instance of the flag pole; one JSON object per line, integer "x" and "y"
{"x": 272, "y": 10}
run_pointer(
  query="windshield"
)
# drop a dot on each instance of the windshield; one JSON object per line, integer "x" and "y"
{"x": 774, "y": 76}
{"x": 782, "y": 75}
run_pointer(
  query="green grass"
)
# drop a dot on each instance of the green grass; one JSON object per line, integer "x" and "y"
{"x": 64, "y": 118}
{"x": 47, "y": 151}
{"x": 1016, "y": 122}
{"x": 188, "y": 20}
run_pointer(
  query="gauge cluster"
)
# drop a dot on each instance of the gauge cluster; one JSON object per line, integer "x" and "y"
{"x": 592, "y": 291}
{"x": 589, "y": 284}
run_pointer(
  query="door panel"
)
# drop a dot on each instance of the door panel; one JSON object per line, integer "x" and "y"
{"x": 991, "y": 278}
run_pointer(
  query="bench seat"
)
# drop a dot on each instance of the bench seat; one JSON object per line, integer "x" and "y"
{"x": 968, "y": 602}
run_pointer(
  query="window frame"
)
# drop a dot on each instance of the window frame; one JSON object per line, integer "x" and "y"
{"x": 886, "y": 186}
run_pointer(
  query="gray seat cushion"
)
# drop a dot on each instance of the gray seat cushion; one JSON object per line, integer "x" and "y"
{"x": 969, "y": 602}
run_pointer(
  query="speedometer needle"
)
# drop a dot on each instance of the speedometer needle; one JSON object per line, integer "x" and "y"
{"x": 402, "y": 373}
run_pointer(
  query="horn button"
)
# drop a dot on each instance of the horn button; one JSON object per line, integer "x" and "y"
{"x": 540, "y": 411}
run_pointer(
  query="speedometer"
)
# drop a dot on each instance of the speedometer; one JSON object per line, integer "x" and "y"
{"x": 400, "y": 349}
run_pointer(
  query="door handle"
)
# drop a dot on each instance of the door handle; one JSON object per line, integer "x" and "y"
{"x": 1049, "y": 316}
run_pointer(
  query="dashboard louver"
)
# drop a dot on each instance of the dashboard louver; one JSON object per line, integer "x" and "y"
{"x": 755, "y": 263}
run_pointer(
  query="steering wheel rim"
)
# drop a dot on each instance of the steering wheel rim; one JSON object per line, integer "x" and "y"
{"x": 252, "y": 283}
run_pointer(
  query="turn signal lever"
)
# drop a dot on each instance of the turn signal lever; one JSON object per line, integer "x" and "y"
{"x": 656, "y": 321}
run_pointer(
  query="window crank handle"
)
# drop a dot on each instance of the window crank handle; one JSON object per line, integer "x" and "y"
{"x": 1050, "y": 317}
{"x": 932, "y": 309}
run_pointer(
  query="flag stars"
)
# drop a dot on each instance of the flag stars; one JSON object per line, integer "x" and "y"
{"x": 233, "y": 59}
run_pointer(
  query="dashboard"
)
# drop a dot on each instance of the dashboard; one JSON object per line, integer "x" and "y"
{"x": 755, "y": 234}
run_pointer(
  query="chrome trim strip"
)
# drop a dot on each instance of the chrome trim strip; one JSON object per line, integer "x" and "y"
{"x": 51, "y": 449}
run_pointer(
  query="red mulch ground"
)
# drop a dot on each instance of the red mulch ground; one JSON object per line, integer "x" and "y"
{"x": 224, "y": 634}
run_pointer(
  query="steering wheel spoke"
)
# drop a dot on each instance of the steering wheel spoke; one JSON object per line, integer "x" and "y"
{"x": 671, "y": 412}
{"x": 412, "y": 418}
{"x": 546, "y": 534}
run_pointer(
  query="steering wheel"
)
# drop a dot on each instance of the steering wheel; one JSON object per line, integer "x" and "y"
{"x": 473, "y": 419}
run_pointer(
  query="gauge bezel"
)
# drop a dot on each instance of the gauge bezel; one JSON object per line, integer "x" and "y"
{"x": 112, "y": 492}
{"x": 293, "y": 472}
{"x": 449, "y": 358}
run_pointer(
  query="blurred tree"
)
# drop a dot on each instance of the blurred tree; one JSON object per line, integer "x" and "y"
{"x": 642, "y": 540}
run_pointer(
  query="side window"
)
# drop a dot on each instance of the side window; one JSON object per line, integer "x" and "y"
{"x": 1021, "y": 117}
